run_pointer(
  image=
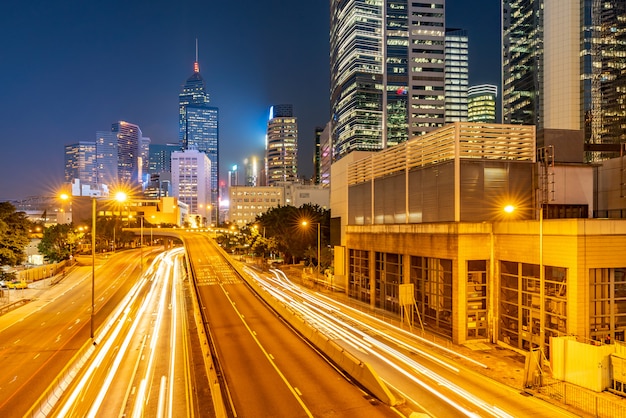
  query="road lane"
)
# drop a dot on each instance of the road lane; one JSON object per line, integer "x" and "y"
{"x": 269, "y": 369}
{"x": 140, "y": 368}
{"x": 39, "y": 338}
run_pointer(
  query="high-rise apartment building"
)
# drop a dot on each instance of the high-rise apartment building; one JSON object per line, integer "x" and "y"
{"x": 456, "y": 75}
{"x": 198, "y": 124}
{"x": 281, "y": 150}
{"x": 387, "y": 83}
{"x": 563, "y": 68}
{"x": 481, "y": 103}
{"x": 80, "y": 163}
{"x": 191, "y": 184}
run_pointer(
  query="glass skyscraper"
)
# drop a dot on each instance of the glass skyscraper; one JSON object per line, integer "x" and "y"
{"x": 387, "y": 72}
{"x": 456, "y": 75}
{"x": 118, "y": 155}
{"x": 564, "y": 67}
{"x": 198, "y": 124}
{"x": 80, "y": 163}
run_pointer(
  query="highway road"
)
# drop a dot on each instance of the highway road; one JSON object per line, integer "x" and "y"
{"x": 412, "y": 367}
{"x": 38, "y": 339}
{"x": 141, "y": 365}
{"x": 269, "y": 370}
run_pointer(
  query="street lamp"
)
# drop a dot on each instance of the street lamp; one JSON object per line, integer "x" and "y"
{"x": 120, "y": 197}
{"x": 305, "y": 223}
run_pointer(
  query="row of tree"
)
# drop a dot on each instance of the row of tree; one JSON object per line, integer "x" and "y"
{"x": 280, "y": 232}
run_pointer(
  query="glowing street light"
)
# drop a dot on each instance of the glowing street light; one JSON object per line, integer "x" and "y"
{"x": 120, "y": 197}
{"x": 306, "y": 223}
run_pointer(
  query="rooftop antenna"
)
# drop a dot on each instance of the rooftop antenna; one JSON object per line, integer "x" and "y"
{"x": 196, "y": 66}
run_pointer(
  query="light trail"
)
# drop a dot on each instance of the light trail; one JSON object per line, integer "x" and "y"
{"x": 331, "y": 321}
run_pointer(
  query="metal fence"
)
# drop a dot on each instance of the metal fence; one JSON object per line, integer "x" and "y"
{"x": 599, "y": 404}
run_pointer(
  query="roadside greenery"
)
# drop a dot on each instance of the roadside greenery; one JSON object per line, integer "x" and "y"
{"x": 280, "y": 234}
{"x": 14, "y": 235}
{"x": 59, "y": 242}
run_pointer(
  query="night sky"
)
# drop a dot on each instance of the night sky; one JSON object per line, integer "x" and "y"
{"x": 69, "y": 68}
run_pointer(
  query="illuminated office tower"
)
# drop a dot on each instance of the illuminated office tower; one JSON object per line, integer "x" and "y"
{"x": 80, "y": 163}
{"x": 118, "y": 155}
{"x": 387, "y": 83}
{"x": 481, "y": 103}
{"x": 198, "y": 124}
{"x": 160, "y": 157}
{"x": 456, "y": 75}
{"x": 191, "y": 184}
{"x": 281, "y": 150}
{"x": 563, "y": 69}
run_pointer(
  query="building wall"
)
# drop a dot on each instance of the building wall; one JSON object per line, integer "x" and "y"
{"x": 561, "y": 27}
{"x": 610, "y": 178}
{"x": 575, "y": 246}
{"x": 246, "y": 203}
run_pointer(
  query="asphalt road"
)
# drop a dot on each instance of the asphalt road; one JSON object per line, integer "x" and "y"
{"x": 270, "y": 371}
{"x": 140, "y": 366}
{"x": 38, "y": 339}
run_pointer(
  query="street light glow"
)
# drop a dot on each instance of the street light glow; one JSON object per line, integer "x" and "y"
{"x": 121, "y": 196}
{"x": 509, "y": 208}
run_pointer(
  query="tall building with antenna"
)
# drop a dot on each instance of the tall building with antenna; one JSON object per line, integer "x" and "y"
{"x": 198, "y": 124}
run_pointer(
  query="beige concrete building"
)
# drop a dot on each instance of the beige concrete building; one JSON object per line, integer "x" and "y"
{"x": 423, "y": 232}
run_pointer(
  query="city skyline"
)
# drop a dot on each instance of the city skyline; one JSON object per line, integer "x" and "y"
{"x": 76, "y": 67}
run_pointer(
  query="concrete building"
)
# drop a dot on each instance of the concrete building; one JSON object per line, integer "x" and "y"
{"x": 191, "y": 184}
{"x": 246, "y": 202}
{"x": 281, "y": 149}
{"x": 423, "y": 232}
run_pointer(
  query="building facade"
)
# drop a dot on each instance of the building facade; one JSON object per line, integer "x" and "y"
{"x": 425, "y": 219}
{"x": 456, "y": 75}
{"x": 198, "y": 125}
{"x": 119, "y": 155}
{"x": 191, "y": 184}
{"x": 563, "y": 69}
{"x": 482, "y": 103}
{"x": 281, "y": 149}
{"x": 246, "y": 203}
{"x": 387, "y": 84}
{"x": 81, "y": 163}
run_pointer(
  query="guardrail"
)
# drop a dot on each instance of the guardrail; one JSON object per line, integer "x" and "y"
{"x": 213, "y": 368}
{"x": 13, "y": 305}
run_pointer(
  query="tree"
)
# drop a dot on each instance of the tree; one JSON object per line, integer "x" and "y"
{"x": 14, "y": 237}
{"x": 284, "y": 224}
{"x": 58, "y": 242}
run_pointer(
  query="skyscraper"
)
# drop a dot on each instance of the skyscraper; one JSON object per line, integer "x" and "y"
{"x": 456, "y": 75}
{"x": 118, "y": 154}
{"x": 481, "y": 103}
{"x": 198, "y": 123}
{"x": 563, "y": 68}
{"x": 387, "y": 83}
{"x": 80, "y": 163}
{"x": 281, "y": 150}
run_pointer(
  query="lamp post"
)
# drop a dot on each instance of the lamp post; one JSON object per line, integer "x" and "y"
{"x": 93, "y": 262}
{"x": 305, "y": 223}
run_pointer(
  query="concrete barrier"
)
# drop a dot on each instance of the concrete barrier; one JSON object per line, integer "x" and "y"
{"x": 360, "y": 371}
